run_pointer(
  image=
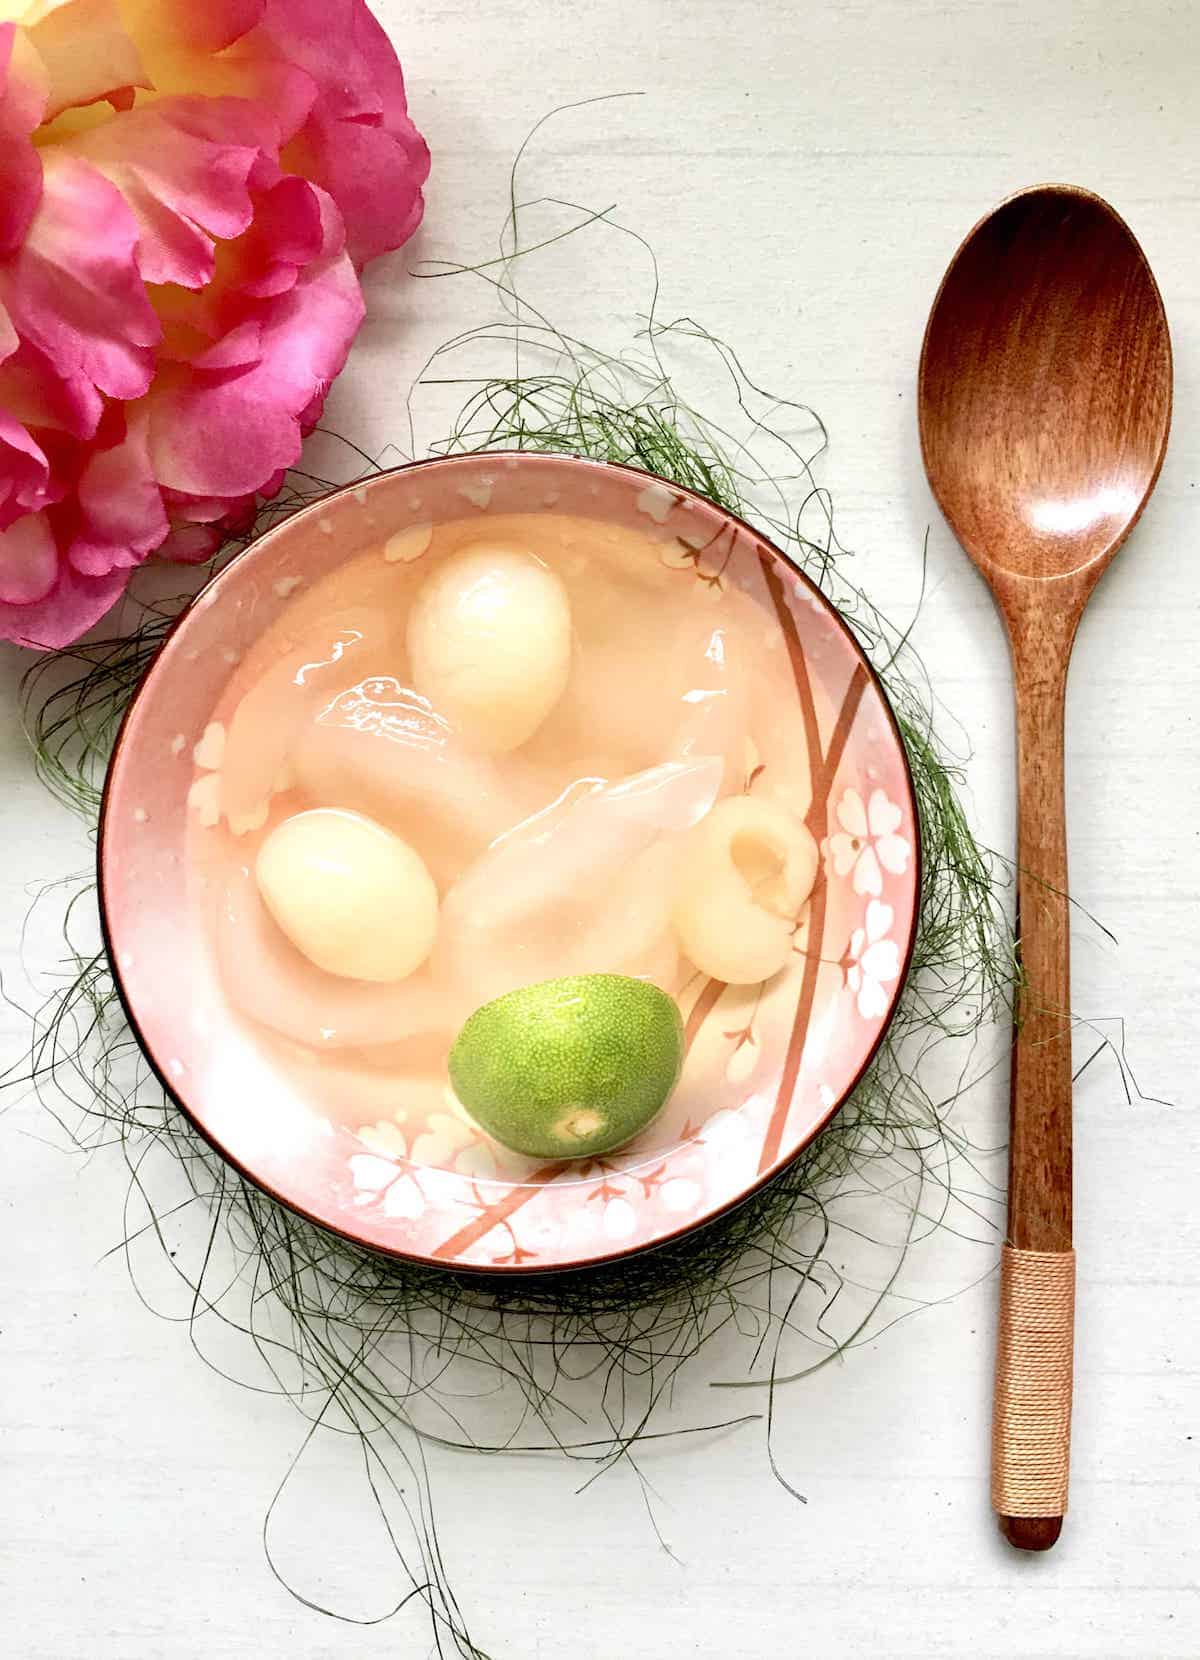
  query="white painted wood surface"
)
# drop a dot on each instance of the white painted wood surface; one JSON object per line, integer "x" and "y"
{"x": 804, "y": 174}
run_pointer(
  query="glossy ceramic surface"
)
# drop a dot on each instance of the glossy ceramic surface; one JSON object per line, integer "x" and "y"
{"x": 765, "y": 1067}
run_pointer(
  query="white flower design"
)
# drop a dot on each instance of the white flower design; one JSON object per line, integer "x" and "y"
{"x": 205, "y": 795}
{"x": 867, "y": 843}
{"x": 732, "y": 1141}
{"x": 679, "y": 1195}
{"x": 620, "y": 1219}
{"x": 477, "y": 1160}
{"x": 395, "y": 1187}
{"x": 402, "y": 1172}
{"x": 442, "y": 1140}
{"x": 874, "y": 961}
{"x": 386, "y": 1138}
{"x": 610, "y": 1208}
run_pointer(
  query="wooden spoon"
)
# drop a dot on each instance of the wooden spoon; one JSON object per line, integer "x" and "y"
{"x": 1045, "y": 402}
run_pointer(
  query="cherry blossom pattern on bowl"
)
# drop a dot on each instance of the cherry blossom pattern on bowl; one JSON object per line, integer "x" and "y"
{"x": 766, "y": 1067}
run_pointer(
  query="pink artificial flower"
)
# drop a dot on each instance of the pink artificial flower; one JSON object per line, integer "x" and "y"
{"x": 188, "y": 191}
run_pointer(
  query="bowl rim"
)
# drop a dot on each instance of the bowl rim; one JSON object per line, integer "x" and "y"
{"x": 508, "y": 1271}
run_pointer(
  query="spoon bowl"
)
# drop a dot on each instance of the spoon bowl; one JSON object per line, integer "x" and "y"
{"x": 1045, "y": 403}
{"x": 1045, "y": 386}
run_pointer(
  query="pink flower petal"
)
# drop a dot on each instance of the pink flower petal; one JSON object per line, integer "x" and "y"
{"x": 359, "y": 143}
{"x": 345, "y": 50}
{"x": 28, "y": 561}
{"x": 122, "y": 517}
{"x": 277, "y": 86}
{"x": 224, "y": 513}
{"x": 191, "y": 544}
{"x": 237, "y": 122}
{"x": 251, "y": 420}
{"x": 276, "y": 279}
{"x": 22, "y": 101}
{"x": 294, "y": 224}
{"x": 373, "y": 48}
{"x": 311, "y": 413}
{"x": 251, "y": 437}
{"x": 33, "y": 392}
{"x": 67, "y": 611}
{"x": 374, "y": 177}
{"x": 212, "y": 25}
{"x": 241, "y": 348}
{"x": 87, "y": 54}
{"x": 25, "y": 482}
{"x": 73, "y": 288}
{"x": 183, "y": 166}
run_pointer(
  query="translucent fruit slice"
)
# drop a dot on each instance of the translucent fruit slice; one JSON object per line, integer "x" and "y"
{"x": 584, "y": 885}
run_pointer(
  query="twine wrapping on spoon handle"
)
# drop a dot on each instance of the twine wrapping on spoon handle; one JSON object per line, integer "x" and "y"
{"x": 1031, "y": 1425}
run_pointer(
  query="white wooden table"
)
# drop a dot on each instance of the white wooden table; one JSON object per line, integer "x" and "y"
{"x": 804, "y": 173}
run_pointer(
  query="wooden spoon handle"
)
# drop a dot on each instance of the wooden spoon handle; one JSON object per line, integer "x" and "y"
{"x": 1032, "y": 1408}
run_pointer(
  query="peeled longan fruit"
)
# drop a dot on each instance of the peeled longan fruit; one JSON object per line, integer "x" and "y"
{"x": 746, "y": 871}
{"x": 489, "y": 644}
{"x": 354, "y": 898}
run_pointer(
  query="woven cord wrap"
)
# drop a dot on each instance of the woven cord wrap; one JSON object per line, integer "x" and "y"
{"x": 1031, "y": 1423}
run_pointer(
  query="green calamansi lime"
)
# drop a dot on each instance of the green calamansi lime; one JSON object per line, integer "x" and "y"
{"x": 569, "y": 1068}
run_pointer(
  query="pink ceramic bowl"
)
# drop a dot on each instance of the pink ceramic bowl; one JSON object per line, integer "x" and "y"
{"x": 763, "y": 1074}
